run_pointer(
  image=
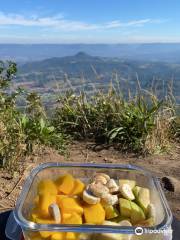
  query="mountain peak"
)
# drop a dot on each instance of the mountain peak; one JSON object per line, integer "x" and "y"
{"x": 82, "y": 55}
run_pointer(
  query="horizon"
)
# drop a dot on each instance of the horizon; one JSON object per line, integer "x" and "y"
{"x": 90, "y": 22}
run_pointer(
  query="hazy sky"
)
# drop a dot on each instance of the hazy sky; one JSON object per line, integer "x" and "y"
{"x": 89, "y": 21}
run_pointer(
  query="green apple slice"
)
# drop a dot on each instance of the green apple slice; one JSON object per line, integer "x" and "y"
{"x": 131, "y": 183}
{"x": 125, "y": 207}
{"x": 143, "y": 198}
{"x": 137, "y": 214}
{"x": 136, "y": 190}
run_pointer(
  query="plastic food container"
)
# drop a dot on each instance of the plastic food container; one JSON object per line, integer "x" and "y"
{"x": 161, "y": 231}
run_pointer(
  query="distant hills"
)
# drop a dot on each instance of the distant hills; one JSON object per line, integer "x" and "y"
{"x": 169, "y": 52}
{"x": 83, "y": 71}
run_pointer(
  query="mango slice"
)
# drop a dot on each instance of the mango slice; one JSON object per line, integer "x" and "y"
{"x": 65, "y": 184}
{"x": 73, "y": 219}
{"x": 45, "y": 234}
{"x": 47, "y": 186}
{"x": 69, "y": 205}
{"x": 143, "y": 198}
{"x": 110, "y": 212}
{"x": 94, "y": 214}
{"x": 71, "y": 236}
{"x": 44, "y": 201}
{"x": 78, "y": 187}
{"x": 58, "y": 236}
{"x": 125, "y": 207}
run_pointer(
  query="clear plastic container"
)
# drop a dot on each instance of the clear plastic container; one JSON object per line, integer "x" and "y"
{"x": 161, "y": 231}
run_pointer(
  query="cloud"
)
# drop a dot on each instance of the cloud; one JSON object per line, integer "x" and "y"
{"x": 60, "y": 23}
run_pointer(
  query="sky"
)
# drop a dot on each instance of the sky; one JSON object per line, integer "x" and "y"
{"x": 89, "y": 21}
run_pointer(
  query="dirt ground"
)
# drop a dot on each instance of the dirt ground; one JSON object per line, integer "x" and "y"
{"x": 167, "y": 165}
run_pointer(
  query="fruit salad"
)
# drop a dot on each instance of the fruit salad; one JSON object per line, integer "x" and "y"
{"x": 103, "y": 201}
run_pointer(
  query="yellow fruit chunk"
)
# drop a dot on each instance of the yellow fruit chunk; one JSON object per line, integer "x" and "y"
{"x": 44, "y": 221}
{"x": 58, "y": 236}
{"x": 69, "y": 205}
{"x": 66, "y": 215}
{"x": 94, "y": 214}
{"x": 45, "y": 234}
{"x": 78, "y": 187}
{"x": 47, "y": 186}
{"x": 44, "y": 201}
{"x": 73, "y": 219}
{"x": 71, "y": 236}
{"x": 59, "y": 198}
{"x": 65, "y": 184}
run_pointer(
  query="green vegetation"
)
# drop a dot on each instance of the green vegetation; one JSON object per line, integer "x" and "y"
{"x": 141, "y": 123}
{"x": 20, "y": 131}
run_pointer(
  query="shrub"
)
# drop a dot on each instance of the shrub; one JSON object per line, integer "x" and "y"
{"x": 131, "y": 124}
{"x": 21, "y": 132}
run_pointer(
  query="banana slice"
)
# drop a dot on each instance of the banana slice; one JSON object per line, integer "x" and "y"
{"x": 54, "y": 211}
{"x": 102, "y": 175}
{"x": 89, "y": 198}
{"x": 151, "y": 213}
{"x": 125, "y": 223}
{"x": 98, "y": 189}
{"x": 110, "y": 199}
{"x": 112, "y": 185}
{"x": 126, "y": 192}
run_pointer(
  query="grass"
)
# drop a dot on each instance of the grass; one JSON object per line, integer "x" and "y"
{"x": 140, "y": 123}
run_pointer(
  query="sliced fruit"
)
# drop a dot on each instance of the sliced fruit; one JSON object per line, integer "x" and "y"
{"x": 59, "y": 198}
{"x": 136, "y": 190}
{"x": 65, "y": 184}
{"x": 45, "y": 234}
{"x": 71, "y": 236}
{"x": 69, "y": 205}
{"x": 137, "y": 214}
{"x": 119, "y": 219}
{"x": 89, "y": 198}
{"x": 111, "y": 212}
{"x": 146, "y": 223}
{"x": 131, "y": 183}
{"x": 55, "y": 212}
{"x": 126, "y": 191}
{"x": 44, "y": 221}
{"x": 47, "y": 186}
{"x": 73, "y": 219}
{"x": 78, "y": 187}
{"x": 125, "y": 207}
{"x": 111, "y": 236}
{"x": 45, "y": 199}
{"x": 58, "y": 236}
{"x": 151, "y": 213}
{"x": 66, "y": 215}
{"x": 143, "y": 198}
{"x": 125, "y": 223}
{"x": 94, "y": 214}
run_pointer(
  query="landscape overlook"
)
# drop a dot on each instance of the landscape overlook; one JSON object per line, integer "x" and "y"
{"x": 90, "y": 120}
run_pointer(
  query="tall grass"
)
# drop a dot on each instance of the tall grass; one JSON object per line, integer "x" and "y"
{"x": 140, "y": 123}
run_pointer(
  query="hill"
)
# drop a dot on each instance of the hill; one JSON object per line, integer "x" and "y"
{"x": 169, "y": 52}
{"x": 82, "y": 70}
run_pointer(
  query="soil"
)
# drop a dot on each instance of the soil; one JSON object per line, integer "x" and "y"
{"x": 166, "y": 165}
